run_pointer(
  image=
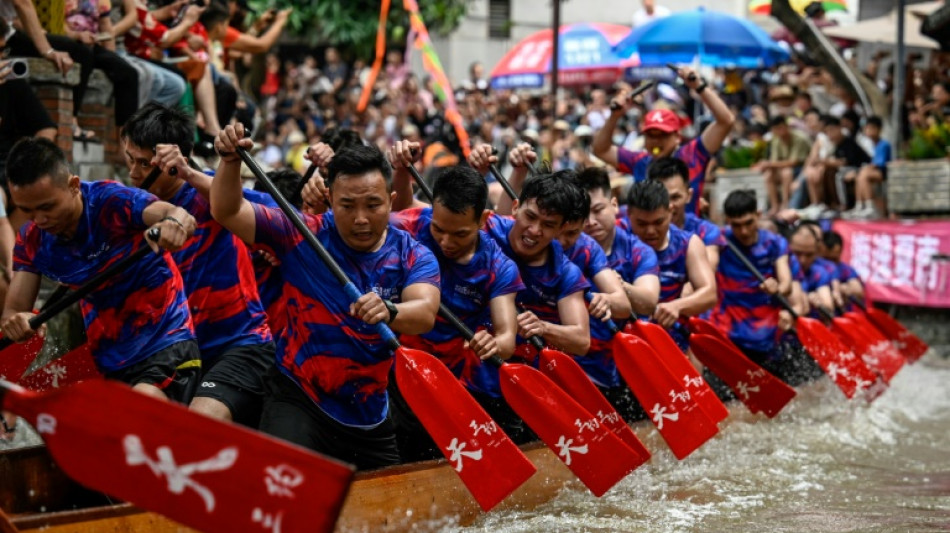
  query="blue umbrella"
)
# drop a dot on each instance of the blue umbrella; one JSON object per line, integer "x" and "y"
{"x": 716, "y": 39}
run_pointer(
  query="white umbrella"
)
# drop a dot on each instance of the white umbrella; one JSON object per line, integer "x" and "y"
{"x": 883, "y": 30}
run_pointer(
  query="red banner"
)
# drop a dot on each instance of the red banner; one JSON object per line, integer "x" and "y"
{"x": 903, "y": 262}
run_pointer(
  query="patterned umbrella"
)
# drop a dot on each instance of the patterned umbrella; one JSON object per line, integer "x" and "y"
{"x": 764, "y": 7}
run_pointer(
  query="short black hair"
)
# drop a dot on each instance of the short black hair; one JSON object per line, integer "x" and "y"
{"x": 157, "y": 123}
{"x": 215, "y": 13}
{"x": 593, "y": 179}
{"x": 664, "y": 168}
{"x": 557, "y": 193}
{"x": 830, "y": 120}
{"x": 648, "y": 195}
{"x": 33, "y": 159}
{"x": 739, "y": 203}
{"x": 874, "y": 120}
{"x": 778, "y": 120}
{"x": 459, "y": 188}
{"x": 832, "y": 239}
{"x": 287, "y": 181}
{"x": 356, "y": 160}
{"x": 339, "y": 138}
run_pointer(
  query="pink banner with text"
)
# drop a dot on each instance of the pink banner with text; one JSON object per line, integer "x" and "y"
{"x": 900, "y": 262}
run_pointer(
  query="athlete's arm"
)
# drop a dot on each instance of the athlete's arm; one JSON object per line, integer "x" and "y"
{"x": 228, "y": 205}
{"x": 169, "y": 156}
{"x": 643, "y": 294}
{"x": 18, "y": 306}
{"x": 416, "y": 311}
{"x": 572, "y": 335}
{"x": 714, "y": 134}
{"x": 504, "y": 320}
{"x": 401, "y": 155}
{"x": 703, "y": 282}
{"x": 853, "y": 287}
{"x": 822, "y": 297}
{"x": 783, "y": 273}
{"x": 712, "y": 255}
{"x": 603, "y": 143}
{"x": 610, "y": 288}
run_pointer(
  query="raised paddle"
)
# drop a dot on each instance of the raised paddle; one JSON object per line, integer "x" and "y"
{"x": 208, "y": 475}
{"x": 558, "y": 412}
{"x": 462, "y": 430}
{"x": 636, "y": 92}
{"x": 906, "y": 342}
{"x": 848, "y": 372}
{"x": 755, "y": 387}
{"x": 16, "y": 359}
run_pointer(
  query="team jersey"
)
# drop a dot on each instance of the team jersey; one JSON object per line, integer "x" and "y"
{"x": 693, "y": 153}
{"x": 546, "y": 284}
{"x": 631, "y": 257}
{"x": 219, "y": 281}
{"x": 270, "y": 281}
{"x": 339, "y": 361}
{"x": 796, "y": 268}
{"x": 821, "y": 273}
{"x": 846, "y": 272}
{"x": 709, "y": 233}
{"x": 136, "y": 313}
{"x": 467, "y": 290}
{"x": 746, "y": 312}
{"x": 672, "y": 263}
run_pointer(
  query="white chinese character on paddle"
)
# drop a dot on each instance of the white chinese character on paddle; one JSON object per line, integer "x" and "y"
{"x": 564, "y": 449}
{"x": 487, "y": 428}
{"x": 590, "y": 425}
{"x": 281, "y": 480}
{"x": 604, "y": 418}
{"x": 57, "y": 372}
{"x": 179, "y": 477}
{"x": 692, "y": 382}
{"x": 458, "y": 452}
{"x": 681, "y": 396}
{"x": 267, "y": 520}
{"x": 745, "y": 388}
{"x": 834, "y": 371}
{"x": 659, "y": 414}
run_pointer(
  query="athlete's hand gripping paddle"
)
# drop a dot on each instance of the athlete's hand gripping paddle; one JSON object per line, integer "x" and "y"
{"x": 205, "y": 474}
{"x": 594, "y": 452}
{"x": 759, "y": 390}
{"x": 906, "y": 342}
{"x": 837, "y": 360}
{"x": 642, "y": 88}
{"x": 454, "y": 420}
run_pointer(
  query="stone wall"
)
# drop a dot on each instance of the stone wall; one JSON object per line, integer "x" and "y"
{"x": 919, "y": 187}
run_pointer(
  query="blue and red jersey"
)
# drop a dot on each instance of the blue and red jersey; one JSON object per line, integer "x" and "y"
{"x": 796, "y": 268}
{"x": 672, "y": 263}
{"x": 270, "y": 281}
{"x": 746, "y": 312}
{"x": 137, "y": 313}
{"x": 546, "y": 284}
{"x": 338, "y": 360}
{"x": 631, "y": 257}
{"x": 846, "y": 272}
{"x": 820, "y": 274}
{"x": 467, "y": 290}
{"x": 709, "y": 233}
{"x": 219, "y": 281}
{"x": 693, "y": 153}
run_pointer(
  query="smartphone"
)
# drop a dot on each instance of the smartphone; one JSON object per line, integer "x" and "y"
{"x": 14, "y": 69}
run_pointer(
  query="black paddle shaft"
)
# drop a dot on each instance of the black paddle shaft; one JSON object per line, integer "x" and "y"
{"x": 636, "y": 92}
{"x": 755, "y": 271}
{"x": 153, "y": 175}
{"x": 423, "y": 186}
{"x": 53, "y": 308}
{"x": 504, "y": 182}
{"x": 467, "y": 333}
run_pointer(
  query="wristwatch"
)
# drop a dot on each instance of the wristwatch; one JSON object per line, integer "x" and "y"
{"x": 702, "y": 87}
{"x": 393, "y": 310}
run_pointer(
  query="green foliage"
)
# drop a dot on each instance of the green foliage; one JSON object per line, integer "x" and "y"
{"x": 743, "y": 156}
{"x": 351, "y": 24}
{"x": 930, "y": 143}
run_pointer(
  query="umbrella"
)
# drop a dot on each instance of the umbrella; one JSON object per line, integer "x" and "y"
{"x": 715, "y": 39}
{"x": 883, "y": 30}
{"x": 585, "y": 56}
{"x": 764, "y": 7}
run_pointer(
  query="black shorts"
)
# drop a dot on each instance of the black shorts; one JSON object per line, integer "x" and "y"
{"x": 175, "y": 370}
{"x": 236, "y": 379}
{"x": 291, "y": 415}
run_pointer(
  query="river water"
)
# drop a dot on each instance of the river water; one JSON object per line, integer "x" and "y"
{"x": 824, "y": 464}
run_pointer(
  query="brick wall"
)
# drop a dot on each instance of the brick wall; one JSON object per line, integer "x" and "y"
{"x": 918, "y": 187}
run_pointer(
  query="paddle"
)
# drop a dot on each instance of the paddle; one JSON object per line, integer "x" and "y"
{"x": 559, "y": 412}
{"x": 681, "y": 422}
{"x": 16, "y": 359}
{"x": 464, "y": 433}
{"x": 906, "y": 342}
{"x": 75, "y": 366}
{"x": 875, "y": 351}
{"x": 755, "y": 387}
{"x": 636, "y": 92}
{"x": 883, "y": 349}
{"x": 206, "y": 474}
{"x": 847, "y": 371}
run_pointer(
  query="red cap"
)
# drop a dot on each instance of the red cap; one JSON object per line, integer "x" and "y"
{"x": 661, "y": 119}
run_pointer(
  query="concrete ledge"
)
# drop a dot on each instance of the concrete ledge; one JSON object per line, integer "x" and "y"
{"x": 43, "y": 71}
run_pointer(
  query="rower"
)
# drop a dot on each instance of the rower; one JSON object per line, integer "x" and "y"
{"x": 673, "y": 174}
{"x": 681, "y": 257}
{"x": 138, "y": 325}
{"x": 237, "y": 349}
{"x": 661, "y": 130}
{"x": 818, "y": 277}
{"x": 830, "y": 268}
{"x": 328, "y": 392}
{"x": 850, "y": 282}
{"x": 479, "y": 284}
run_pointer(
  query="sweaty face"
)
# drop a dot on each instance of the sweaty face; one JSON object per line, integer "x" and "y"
{"x": 139, "y": 160}
{"x": 650, "y": 226}
{"x": 745, "y": 228}
{"x": 570, "y": 232}
{"x": 679, "y": 197}
{"x": 805, "y": 247}
{"x": 602, "y": 222}
{"x": 533, "y": 230}
{"x": 659, "y": 143}
{"x": 456, "y": 233}
{"x": 361, "y": 207}
{"x": 53, "y": 208}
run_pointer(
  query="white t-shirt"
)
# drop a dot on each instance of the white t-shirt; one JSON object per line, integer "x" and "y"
{"x": 641, "y": 17}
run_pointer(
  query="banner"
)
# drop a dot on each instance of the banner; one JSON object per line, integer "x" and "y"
{"x": 904, "y": 263}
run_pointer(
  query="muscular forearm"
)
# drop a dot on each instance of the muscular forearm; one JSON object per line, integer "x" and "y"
{"x": 643, "y": 296}
{"x": 415, "y": 317}
{"x": 573, "y": 339}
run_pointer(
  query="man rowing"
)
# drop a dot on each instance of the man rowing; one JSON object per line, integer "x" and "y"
{"x": 137, "y": 324}
{"x": 328, "y": 392}
{"x": 661, "y": 131}
{"x": 237, "y": 349}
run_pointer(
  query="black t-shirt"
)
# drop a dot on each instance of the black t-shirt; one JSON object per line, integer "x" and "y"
{"x": 854, "y": 155}
{"x": 22, "y": 115}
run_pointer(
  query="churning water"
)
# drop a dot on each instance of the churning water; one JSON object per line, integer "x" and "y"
{"x": 824, "y": 464}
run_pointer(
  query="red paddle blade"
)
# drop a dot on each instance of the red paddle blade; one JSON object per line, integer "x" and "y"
{"x": 759, "y": 390}
{"x": 567, "y": 374}
{"x": 487, "y": 461}
{"x": 837, "y": 360}
{"x": 906, "y": 342}
{"x": 205, "y": 474}
{"x": 679, "y": 365}
{"x": 679, "y": 419}
{"x": 876, "y": 352}
{"x": 17, "y": 357}
{"x": 77, "y": 365}
{"x": 885, "y": 351}
{"x": 593, "y": 453}
{"x": 701, "y": 325}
